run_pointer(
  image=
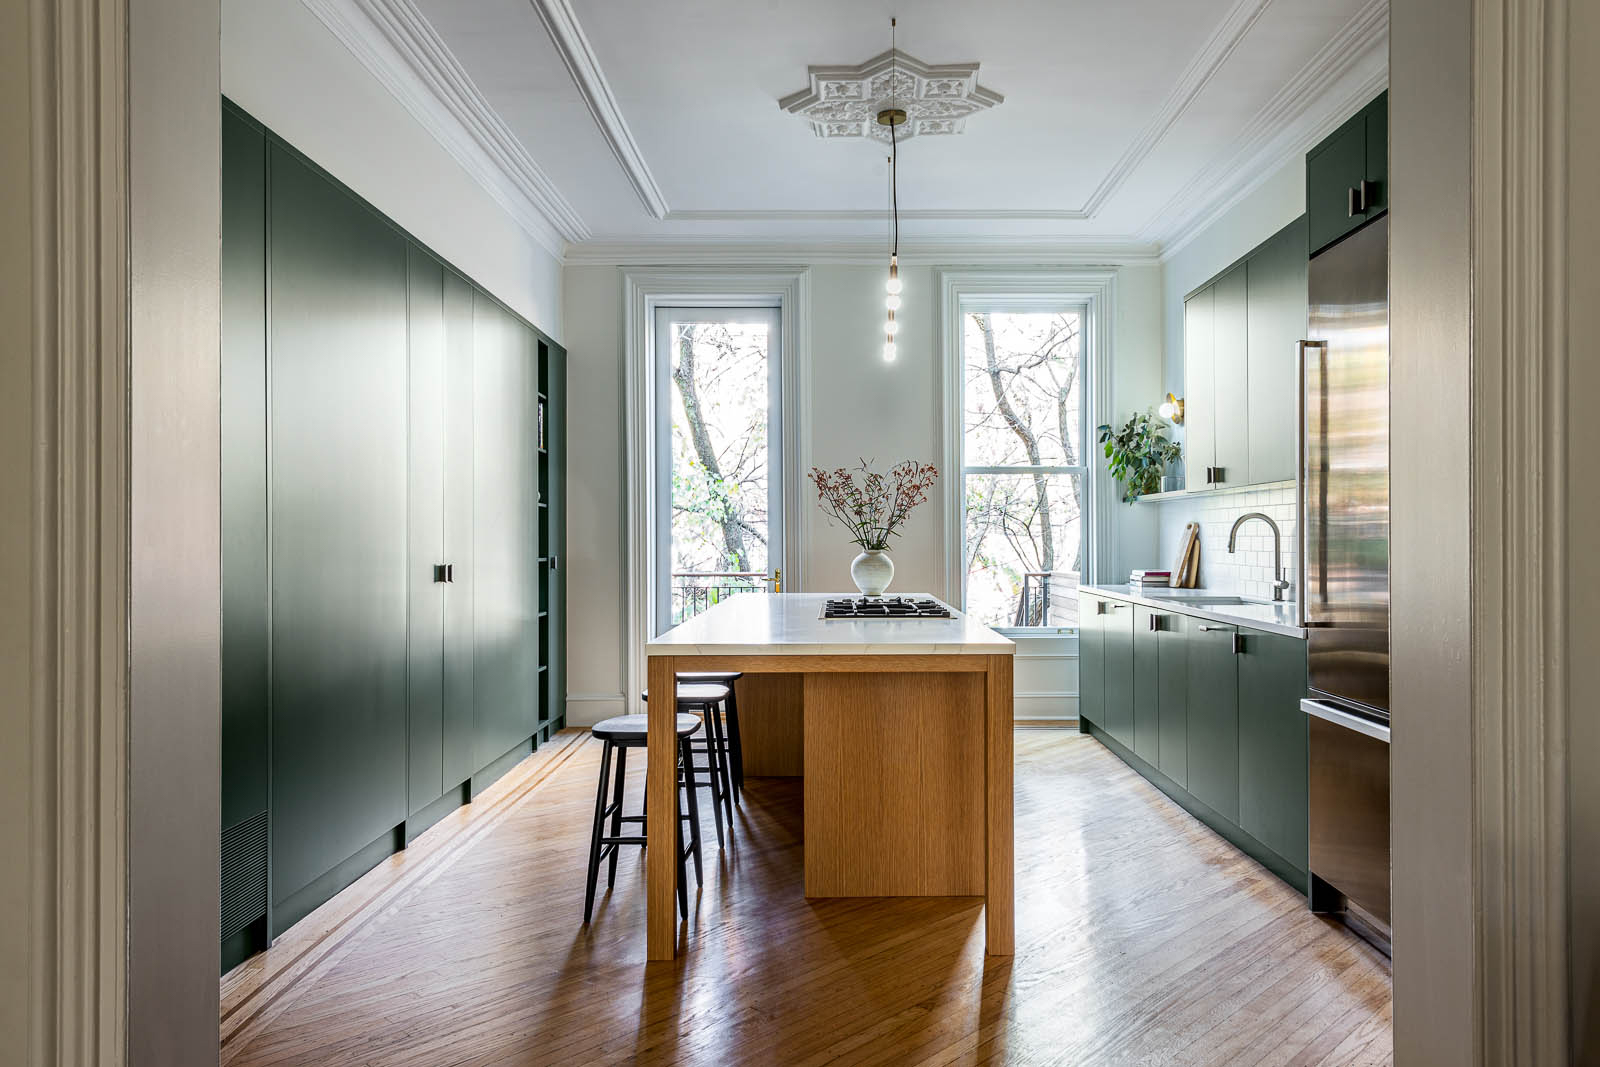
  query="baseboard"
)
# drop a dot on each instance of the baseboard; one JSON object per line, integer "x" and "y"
{"x": 495, "y": 768}
{"x": 324, "y": 887}
{"x": 1045, "y": 724}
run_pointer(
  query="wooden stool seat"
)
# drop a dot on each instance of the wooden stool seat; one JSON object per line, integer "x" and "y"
{"x": 697, "y": 695}
{"x": 637, "y": 727}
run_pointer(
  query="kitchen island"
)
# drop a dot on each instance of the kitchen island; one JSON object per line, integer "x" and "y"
{"x": 907, "y": 738}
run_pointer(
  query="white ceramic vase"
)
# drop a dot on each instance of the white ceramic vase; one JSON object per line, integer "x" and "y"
{"x": 872, "y": 571}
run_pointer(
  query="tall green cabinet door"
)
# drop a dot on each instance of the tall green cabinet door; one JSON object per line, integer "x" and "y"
{"x": 1146, "y": 684}
{"x": 555, "y": 431}
{"x": 1199, "y": 373}
{"x": 1213, "y": 718}
{"x": 1230, "y": 359}
{"x": 457, "y": 684}
{"x": 427, "y": 589}
{"x": 1091, "y": 661}
{"x": 1273, "y": 771}
{"x": 1172, "y": 696}
{"x": 338, "y": 534}
{"x": 505, "y": 531}
{"x": 1117, "y": 629}
{"x": 1276, "y": 277}
{"x": 245, "y": 614}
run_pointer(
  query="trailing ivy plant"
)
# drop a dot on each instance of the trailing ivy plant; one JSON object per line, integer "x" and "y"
{"x": 1139, "y": 453}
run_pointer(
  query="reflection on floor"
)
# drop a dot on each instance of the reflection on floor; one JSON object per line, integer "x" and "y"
{"x": 1141, "y": 938}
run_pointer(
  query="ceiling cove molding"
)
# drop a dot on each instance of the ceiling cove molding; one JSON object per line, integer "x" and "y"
{"x": 1298, "y": 116}
{"x": 968, "y": 252}
{"x": 1205, "y": 65}
{"x": 561, "y": 22}
{"x": 400, "y": 48}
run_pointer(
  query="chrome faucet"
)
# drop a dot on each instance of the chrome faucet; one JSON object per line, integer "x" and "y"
{"x": 1280, "y": 583}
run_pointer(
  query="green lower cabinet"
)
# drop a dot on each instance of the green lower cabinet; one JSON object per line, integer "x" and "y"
{"x": 1116, "y": 628}
{"x": 1146, "y": 685}
{"x": 1091, "y": 662}
{"x": 1172, "y": 696}
{"x": 1272, "y": 744}
{"x": 1213, "y": 719}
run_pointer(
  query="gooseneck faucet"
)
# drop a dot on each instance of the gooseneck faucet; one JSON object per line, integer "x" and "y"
{"x": 1280, "y": 583}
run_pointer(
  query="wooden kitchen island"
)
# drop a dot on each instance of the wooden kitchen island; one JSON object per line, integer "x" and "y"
{"x": 907, "y": 750}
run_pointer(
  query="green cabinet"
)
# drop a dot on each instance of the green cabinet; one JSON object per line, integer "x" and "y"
{"x": 1213, "y": 718}
{"x": 1146, "y": 684}
{"x": 1172, "y": 695}
{"x": 1273, "y": 766}
{"x": 337, "y": 325}
{"x": 1347, "y": 175}
{"x": 1116, "y": 629}
{"x": 1276, "y": 321}
{"x": 393, "y": 498}
{"x": 1240, "y": 370}
{"x": 1091, "y": 661}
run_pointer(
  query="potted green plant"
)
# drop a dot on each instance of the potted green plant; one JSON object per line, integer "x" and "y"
{"x": 1138, "y": 453}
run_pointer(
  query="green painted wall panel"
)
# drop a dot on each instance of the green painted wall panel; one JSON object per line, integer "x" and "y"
{"x": 425, "y": 550}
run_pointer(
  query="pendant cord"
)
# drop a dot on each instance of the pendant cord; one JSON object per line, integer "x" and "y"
{"x": 894, "y": 145}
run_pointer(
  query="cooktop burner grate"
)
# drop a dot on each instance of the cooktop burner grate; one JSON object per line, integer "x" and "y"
{"x": 885, "y": 607}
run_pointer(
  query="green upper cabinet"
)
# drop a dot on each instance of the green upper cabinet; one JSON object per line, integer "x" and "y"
{"x": 1240, "y": 331}
{"x": 1347, "y": 175}
{"x": 1276, "y": 321}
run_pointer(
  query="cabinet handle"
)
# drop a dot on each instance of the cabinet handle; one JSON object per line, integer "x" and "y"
{"x": 1208, "y": 629}
{"x": 1356, "y": 207}
{"x": 1155, "y": 623}
{"x": 441, "y": 573}
{"x": 1210, "y": 475}
{"x": 1238, "y": 643}
{"x": 1221, "y": 474}
{"x": 1369, "y": 194}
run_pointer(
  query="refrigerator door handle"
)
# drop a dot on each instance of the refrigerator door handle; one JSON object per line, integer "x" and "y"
{"x": 1339, "y": 717}
{"x": 1301, "y": 350}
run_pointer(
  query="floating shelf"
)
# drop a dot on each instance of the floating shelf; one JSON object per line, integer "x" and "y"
{"x": 1227, "y": 490}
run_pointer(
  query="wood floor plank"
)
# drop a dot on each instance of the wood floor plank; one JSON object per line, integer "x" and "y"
{"x": 1141, "y": 937}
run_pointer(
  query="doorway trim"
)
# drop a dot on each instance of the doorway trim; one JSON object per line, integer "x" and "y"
{"x": 643, "y": 291}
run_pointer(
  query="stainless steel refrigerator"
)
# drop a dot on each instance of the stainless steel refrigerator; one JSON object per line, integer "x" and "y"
{"x": 1345, "y": 560}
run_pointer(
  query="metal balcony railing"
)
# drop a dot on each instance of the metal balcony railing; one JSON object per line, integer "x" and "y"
{"x": 1048, "y": 598}
{"x": 694, "y": 592}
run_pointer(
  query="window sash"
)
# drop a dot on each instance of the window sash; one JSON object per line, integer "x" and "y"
{"x": 1024, "y": 305}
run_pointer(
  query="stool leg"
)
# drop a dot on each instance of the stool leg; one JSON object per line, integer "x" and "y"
{"x": 616, "y": 814}
{"x": 733, "y": 739}
{"x": 719, "y": 761}
{"x": 712, "y": 776}
{"x": 694, "y": 809}
{"x": 594, "y": 837}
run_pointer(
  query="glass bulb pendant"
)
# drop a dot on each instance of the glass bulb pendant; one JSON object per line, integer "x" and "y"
{"x": 888, "y": 351}
{"x": 892, "y": 302}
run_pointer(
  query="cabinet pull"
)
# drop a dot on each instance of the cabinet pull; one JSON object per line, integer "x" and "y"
{"x": 1221, "y": 474}
{"x": 1208, "y": 629}
{"x": 440, "y": 573}
{"x": 1356, "y": 207}
{"x": 1369, "y": 194}
{"x": 1210, "y": 475}
{"x": 1155, "y": 623}
{"x": 1238, "y": 643}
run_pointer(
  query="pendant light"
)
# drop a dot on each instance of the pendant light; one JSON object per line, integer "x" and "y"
{"x": 892, "y": 117}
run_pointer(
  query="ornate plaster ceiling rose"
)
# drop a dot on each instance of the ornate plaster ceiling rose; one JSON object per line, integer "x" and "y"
{"x": 845, "y": 101}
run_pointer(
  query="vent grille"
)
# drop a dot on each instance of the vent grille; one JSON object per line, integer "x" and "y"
{"x": 244, "y": 874}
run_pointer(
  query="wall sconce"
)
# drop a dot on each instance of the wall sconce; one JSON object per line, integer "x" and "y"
{"x": 1172, "y": 409}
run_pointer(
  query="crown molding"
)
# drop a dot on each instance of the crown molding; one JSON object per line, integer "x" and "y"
{"x": 1298, "y": 116}
{"x": 393, "y": 40}
{"x": 976, "y": 251}
{"x": 561, "y": 22}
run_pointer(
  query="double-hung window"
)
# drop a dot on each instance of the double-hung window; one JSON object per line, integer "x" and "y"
{"x": 1025, "y": 484}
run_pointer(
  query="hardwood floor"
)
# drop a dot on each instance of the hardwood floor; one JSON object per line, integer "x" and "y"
{"x": 1141, "y": 938}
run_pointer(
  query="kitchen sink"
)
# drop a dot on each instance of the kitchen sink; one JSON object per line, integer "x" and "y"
{"x": 1214, "y": 601}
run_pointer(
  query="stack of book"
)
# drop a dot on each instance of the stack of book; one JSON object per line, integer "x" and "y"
{"x": 1150, "y": 579}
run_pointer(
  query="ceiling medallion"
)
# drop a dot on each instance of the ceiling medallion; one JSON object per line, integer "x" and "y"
{"x": 845, "y": 101}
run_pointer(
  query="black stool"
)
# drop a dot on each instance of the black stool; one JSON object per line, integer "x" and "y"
{"x": 731, "y": 713}
{"x": 703, "y": 700}
{"x": 620, "y": 734}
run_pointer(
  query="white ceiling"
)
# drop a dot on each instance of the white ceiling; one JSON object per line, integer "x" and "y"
{"x": 1124, "y": 125}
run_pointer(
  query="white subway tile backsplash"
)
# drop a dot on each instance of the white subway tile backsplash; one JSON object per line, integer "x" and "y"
{"x": 1248, "y": 572}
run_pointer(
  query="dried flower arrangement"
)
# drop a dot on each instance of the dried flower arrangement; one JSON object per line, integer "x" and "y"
{"x": 870, "y": 505}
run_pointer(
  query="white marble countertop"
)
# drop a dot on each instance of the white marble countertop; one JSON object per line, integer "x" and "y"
{"x": 1281, "y": 617}
{"x": 791, "y": 624}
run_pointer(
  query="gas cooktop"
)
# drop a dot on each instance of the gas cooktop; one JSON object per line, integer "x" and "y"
{"x": 885, "y": 607}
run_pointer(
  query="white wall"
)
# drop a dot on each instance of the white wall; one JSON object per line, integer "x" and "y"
{"x": 283, "y": 66}
{"x": 860, "y": 408}
{"x": 1269, "y": 208}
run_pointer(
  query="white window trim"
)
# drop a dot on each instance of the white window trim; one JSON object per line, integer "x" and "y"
{"x": 788, "y": 289}
{"x": 1095, "y": 291}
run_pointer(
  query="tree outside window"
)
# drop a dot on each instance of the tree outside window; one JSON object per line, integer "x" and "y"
{"x": 1025, "y": 479}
